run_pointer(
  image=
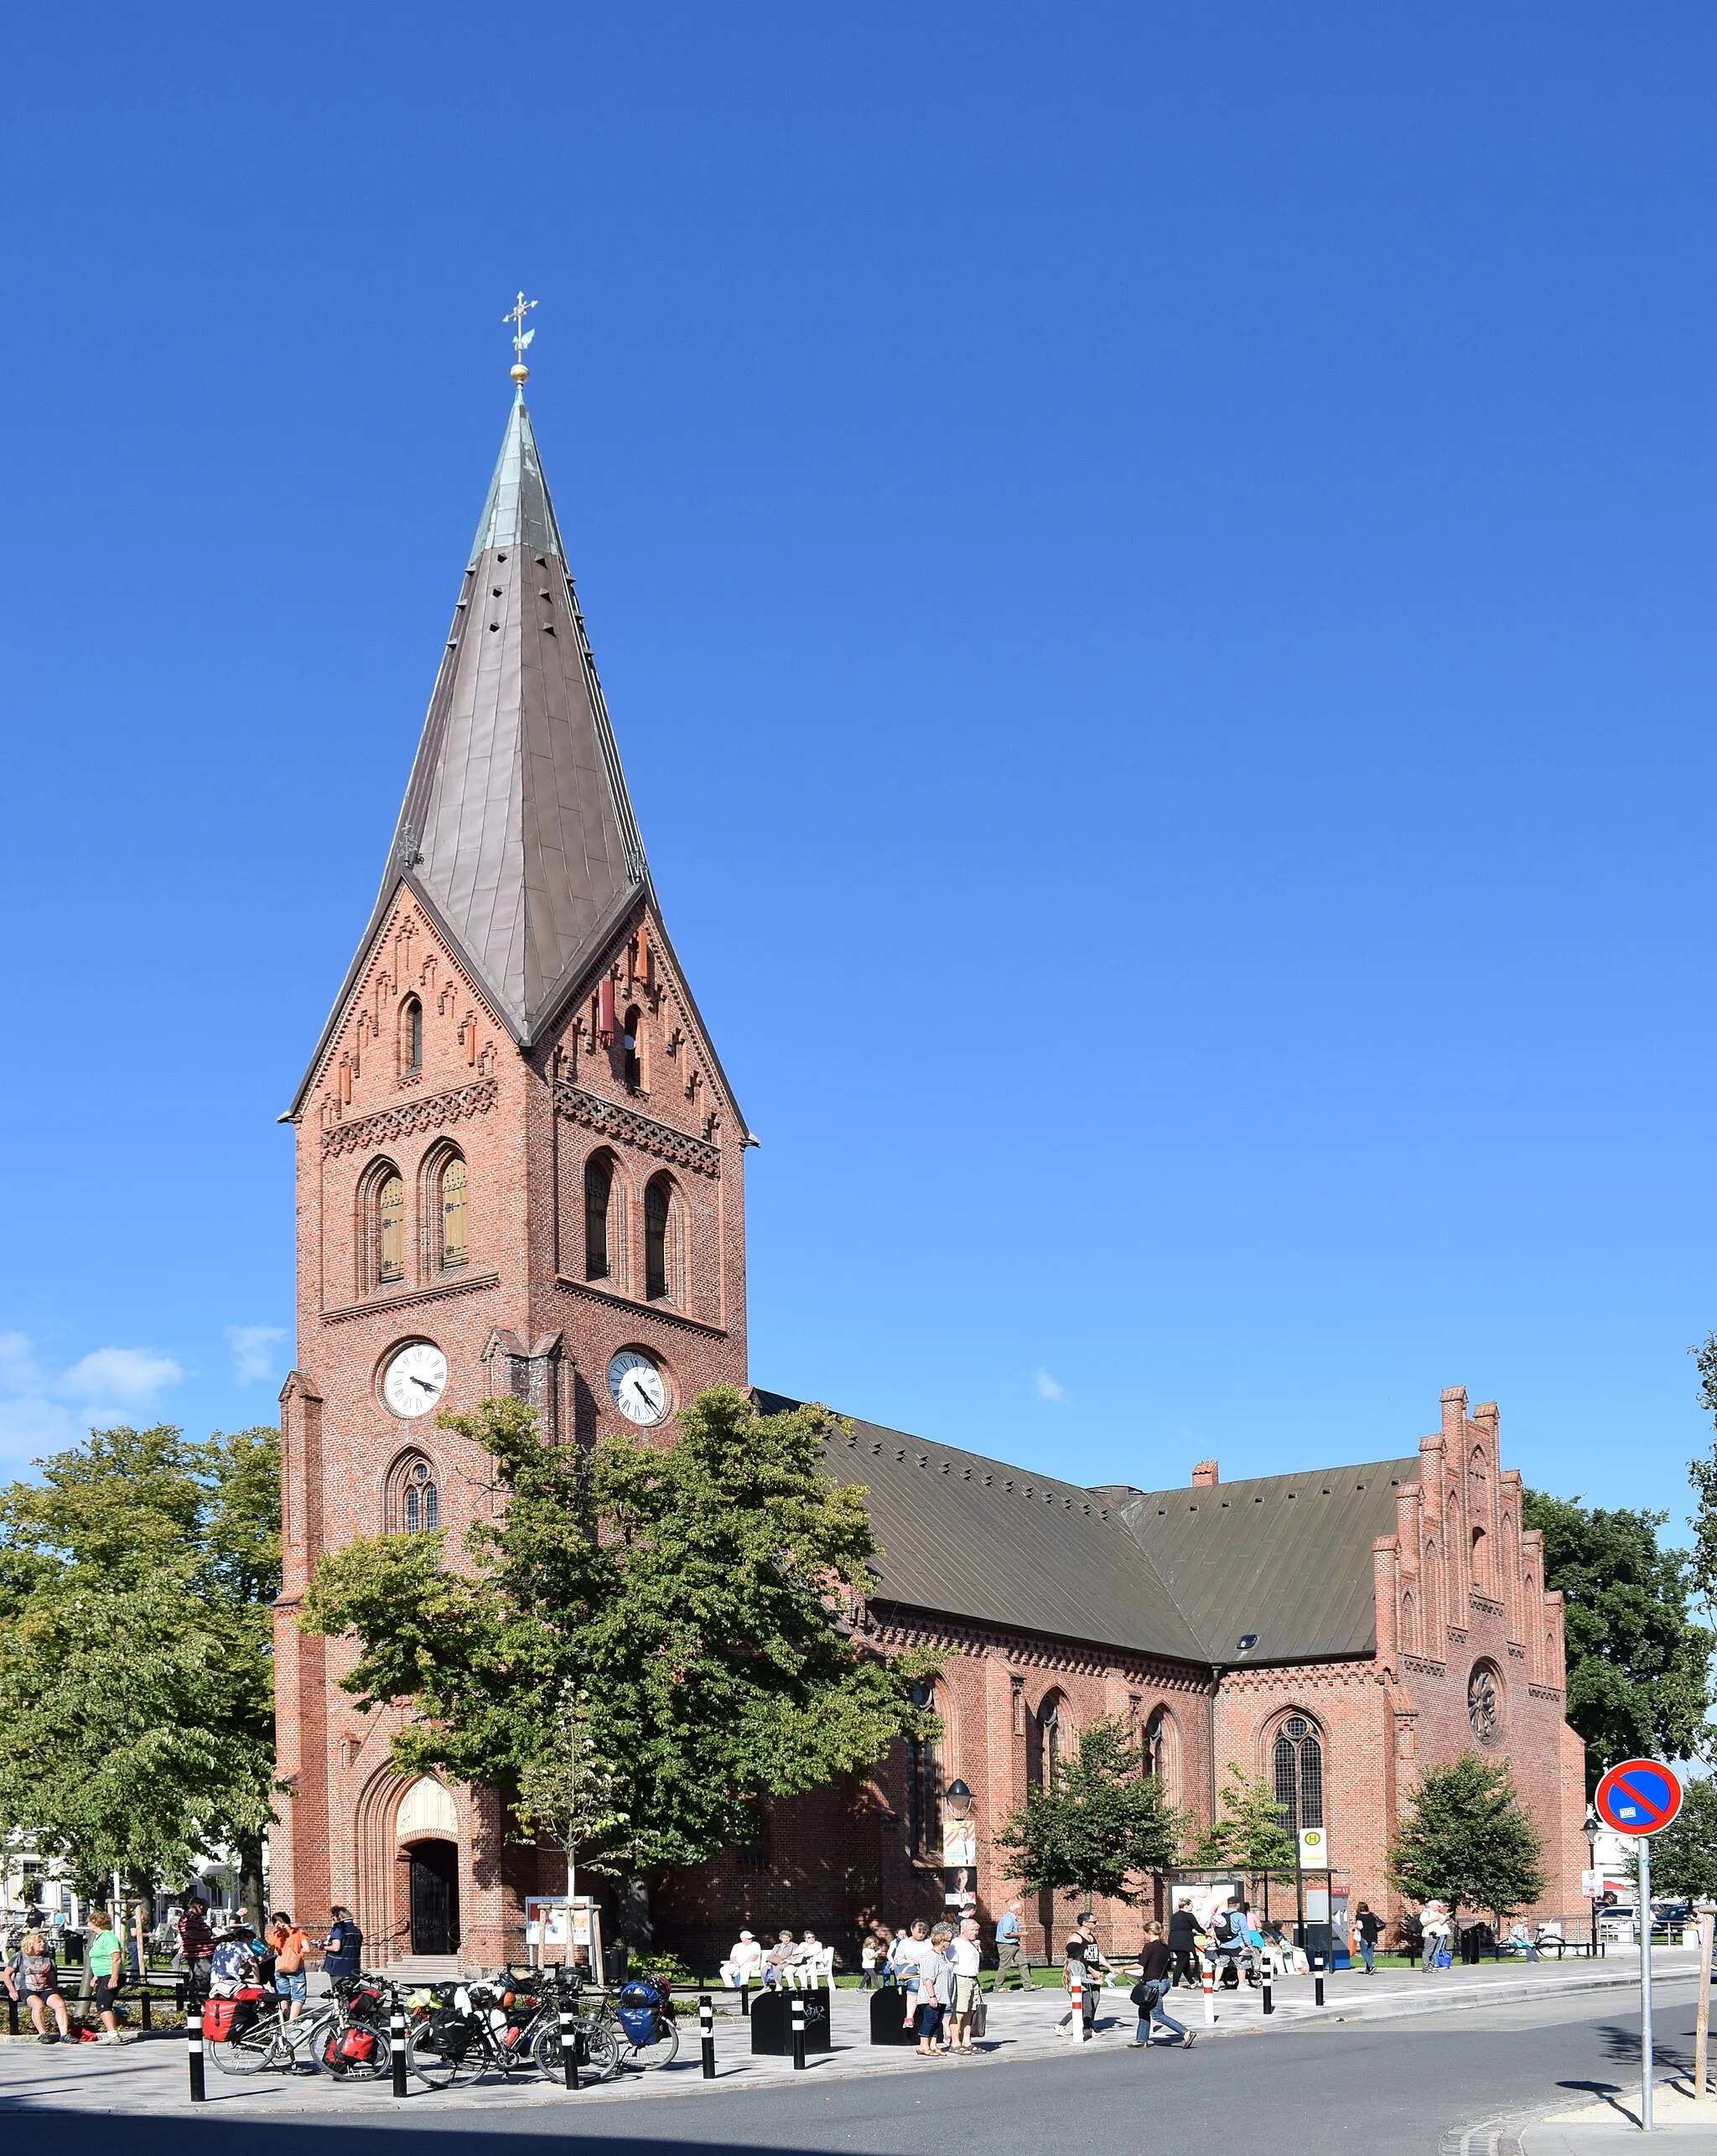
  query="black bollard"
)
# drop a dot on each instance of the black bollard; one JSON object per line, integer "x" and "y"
{"x": 193, "y": 2049}
{"x": 148, "y": 2023}
{"x": 745, "y": 1998}
{"x": 798, "y": 2031}
{"x": 706, "y": 2029}
{"x": 1317, "y": 1982}
{"x": 396, "y": 2042}
{"x": 569, "y": 2040}
{"x": 1269, "y": 2003}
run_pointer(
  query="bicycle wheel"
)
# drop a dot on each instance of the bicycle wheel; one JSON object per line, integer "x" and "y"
{"x": 662, "y": 2049}
{"x": 442, "y": 2056}
{"x": 601, "y": 2053}
{"x": 249, "y": 2052}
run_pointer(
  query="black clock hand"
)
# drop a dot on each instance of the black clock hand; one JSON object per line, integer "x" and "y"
{"x": 423, "y": 1381}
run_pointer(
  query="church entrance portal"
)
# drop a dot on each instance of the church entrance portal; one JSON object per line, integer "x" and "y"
{"x": 435, "y": 1898}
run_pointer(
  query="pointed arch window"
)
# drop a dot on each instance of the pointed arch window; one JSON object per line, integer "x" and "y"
{"x": 413, "y": 1497}
{"x": 386, "y": 1225}
{"x": 664, "y": 1242}
{"x": 598, "y": 1189}
{"x": 1297, "y": 1759}
{"x": 1157, "y": 1748}
{"x": 451, "y": 1210}
{"x": 924, "y": 1784}
{"x": 1055, "y": 1732}
{"x": 632, "y": 1045}
{"x": 411, "y": 1037}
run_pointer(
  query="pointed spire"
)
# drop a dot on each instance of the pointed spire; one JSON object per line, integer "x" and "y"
{"x": 517, "y": 826}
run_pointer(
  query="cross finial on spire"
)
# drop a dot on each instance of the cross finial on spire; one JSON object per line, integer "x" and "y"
{"x": 522, "y": 336}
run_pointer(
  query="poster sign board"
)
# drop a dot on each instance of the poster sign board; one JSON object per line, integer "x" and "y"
{"x": 1639, "y": 1797}
{"x": 1314, "y": 1849}
{"x": 562, "y": 1931}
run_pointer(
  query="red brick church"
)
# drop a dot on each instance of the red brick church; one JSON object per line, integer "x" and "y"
{"x": 521, "y": 1169}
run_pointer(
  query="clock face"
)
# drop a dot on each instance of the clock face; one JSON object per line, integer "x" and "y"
{"x": 639, "y": 1388}
{"x": 414, "y": 1378}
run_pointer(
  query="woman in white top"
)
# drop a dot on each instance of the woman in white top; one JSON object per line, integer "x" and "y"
{"x": 1436, "y": 1919}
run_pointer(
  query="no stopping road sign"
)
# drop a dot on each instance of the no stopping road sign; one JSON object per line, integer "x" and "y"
{"x": 1639, "y": 1797}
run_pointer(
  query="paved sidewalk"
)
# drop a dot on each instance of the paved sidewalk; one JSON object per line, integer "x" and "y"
{"x": 1613, "y": 2122}
{"x": 150, "y": 2077}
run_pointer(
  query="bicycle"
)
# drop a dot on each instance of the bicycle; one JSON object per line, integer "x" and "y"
{"x": 358, "y": 2047}
{"x": 254, "y": 2042}
{"x": 460, "y": 2032}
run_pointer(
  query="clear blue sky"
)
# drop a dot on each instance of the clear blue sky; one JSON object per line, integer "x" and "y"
{"x": 1153, "y": 567}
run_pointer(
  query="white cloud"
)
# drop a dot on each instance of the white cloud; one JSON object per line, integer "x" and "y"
{"x": 42, "y": 1412}
{"x": 1048, "y": 1388}
{"x": 250, "y": 1345}
{"x": 133, "y": 1375}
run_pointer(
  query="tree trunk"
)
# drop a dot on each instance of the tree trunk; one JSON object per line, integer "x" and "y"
{"x": 250, "y": 1876}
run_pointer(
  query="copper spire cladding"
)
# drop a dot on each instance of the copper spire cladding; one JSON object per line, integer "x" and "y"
{"x": 516, "y": 834}
{"x": 516, "y": 829}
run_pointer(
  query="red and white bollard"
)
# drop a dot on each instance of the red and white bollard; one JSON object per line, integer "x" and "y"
{"x": 1076, "y": 1990}
{"x": 1210, "y": 1996}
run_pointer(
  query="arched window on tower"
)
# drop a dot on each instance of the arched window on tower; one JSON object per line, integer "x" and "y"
{"x": 1298, "y": 1761}
{"x": 664, "y": 1242}
{"x": 632, "y": 1042}
{"x": 451, "y": 1211}
{"x": 413, "y": 1498}
{"x": 599, "y": 1188}
{"x": 411, "y": 1036}
{"x": 384, "y": 1225}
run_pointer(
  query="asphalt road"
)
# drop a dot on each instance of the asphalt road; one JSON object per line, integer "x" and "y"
{"x": 1391, "y": 2088}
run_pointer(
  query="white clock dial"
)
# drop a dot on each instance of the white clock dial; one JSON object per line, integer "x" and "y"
{"x": 639, "y": 1388}
{"x": 415, "y": 1378}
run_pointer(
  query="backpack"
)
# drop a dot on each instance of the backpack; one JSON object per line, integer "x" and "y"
{"x": 1231, "y": 1926}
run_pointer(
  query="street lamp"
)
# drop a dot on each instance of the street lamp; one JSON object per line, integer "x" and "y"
{"x": 1591, "y": 1830}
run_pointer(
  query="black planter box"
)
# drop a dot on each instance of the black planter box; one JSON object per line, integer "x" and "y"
{"x": 772, "y": 2023}
{"x": 887, "y": 2008}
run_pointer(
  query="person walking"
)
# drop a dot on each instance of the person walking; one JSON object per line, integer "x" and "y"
{"x": 1437, "y": 1920}
{"x": 1007, "y": 1951}
{"x": 867, "y": 1964}
{"x": 1098, "y": 1964}
{"x": 1367, "y": 1931}
{"x": 962, "y": 1955}
{"x": 1152, "y": 1987}
{"x": 106, "y": 1965}
{"x": 1184, "y": 1932}
{"x": 1075, "y": 1970}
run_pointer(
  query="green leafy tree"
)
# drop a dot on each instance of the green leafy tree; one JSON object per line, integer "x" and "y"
{"x": 1102, "y": 1824}
{"x": 699, "y": 1595}
{"x": 567, "y": 1791}
{"x": 1248, "y": 1832}
{"x": 1684, "y": 1855}
{"x": 1467, "y": 1840}
{"x": 1638, "y": 1663}
{"x": 137, "y": 1708}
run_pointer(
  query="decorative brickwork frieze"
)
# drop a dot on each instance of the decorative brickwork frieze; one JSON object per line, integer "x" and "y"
{"x": 379, "y": 1303}
{"x": 614, "y": 1122}
{"x": 429, "y": 1113}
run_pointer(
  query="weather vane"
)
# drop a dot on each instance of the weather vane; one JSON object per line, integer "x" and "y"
{"x": 522, "y": 336}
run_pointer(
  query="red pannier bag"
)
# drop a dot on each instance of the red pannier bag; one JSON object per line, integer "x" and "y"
{"x": 217, "y": 2019}
{"x": 358, "y": 2043}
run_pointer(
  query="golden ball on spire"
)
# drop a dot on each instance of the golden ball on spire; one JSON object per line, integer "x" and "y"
{"x": 522, "y": 374}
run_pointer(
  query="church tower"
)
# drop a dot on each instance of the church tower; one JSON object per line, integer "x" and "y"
{"x": 519, "y": 1170}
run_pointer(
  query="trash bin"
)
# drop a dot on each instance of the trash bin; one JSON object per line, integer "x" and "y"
{"x": 772, "y": 2023}
{"x": 887, "y": 2007}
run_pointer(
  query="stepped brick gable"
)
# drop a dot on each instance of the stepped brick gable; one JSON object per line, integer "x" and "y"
{"x": 521, "y": 1169}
